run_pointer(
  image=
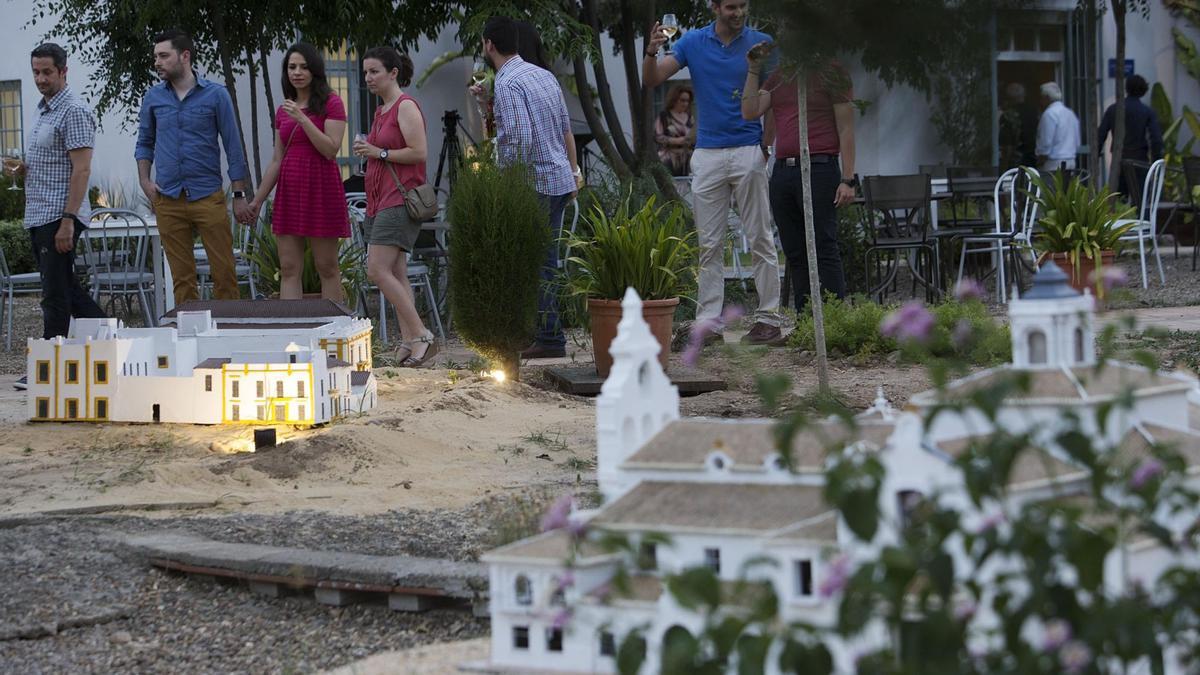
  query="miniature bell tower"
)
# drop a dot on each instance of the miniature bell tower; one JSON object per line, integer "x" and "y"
{"x": 1052, "y": 325}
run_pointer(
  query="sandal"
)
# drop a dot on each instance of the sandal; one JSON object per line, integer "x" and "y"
{"x": 401, "y": 353}
{"x": 431, "y": 351}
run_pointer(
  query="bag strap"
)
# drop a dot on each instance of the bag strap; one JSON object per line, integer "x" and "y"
{"x": 288, "y": 145}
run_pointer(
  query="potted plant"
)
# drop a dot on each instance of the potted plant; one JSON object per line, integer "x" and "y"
{"x": 499, "y": 234}
{"x": 1081, "y": 228}
{"x": 650, "y": 250}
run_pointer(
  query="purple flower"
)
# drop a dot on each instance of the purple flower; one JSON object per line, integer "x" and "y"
{"x": 602, "y": 592}
{"x": 1110, "y": 277}
{"x": 912, "y": 322}
{"x": 558, "y": 515}
{"x": 1056, "y": 634}
{"x": 990, "y": 523}
{"x": 1074, "y": 656}
{"x": 964, "y": 610}
{"x": 837, "y": 575}
{"x": 968, "y": 289}
{"x": 1146, "y": 471}
{"x": 561, "y": 618}
{"x": 565, "y": 580}
{"x": 962, "y": 333}
{"x": 701, "y": 329}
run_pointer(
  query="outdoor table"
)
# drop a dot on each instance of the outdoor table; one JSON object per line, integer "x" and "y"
{"x": 164, "y": 294}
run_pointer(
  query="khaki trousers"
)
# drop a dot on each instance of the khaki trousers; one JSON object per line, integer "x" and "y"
{"x": 178, "y": 222}
{"x": 718, "y": 174}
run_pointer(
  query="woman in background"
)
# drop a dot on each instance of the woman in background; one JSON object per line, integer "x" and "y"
{"x": 675, "y": 130}
{"x": 310, "y": 203}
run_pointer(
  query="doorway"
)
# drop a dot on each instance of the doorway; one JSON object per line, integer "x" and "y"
{"x": 157, "y": 413}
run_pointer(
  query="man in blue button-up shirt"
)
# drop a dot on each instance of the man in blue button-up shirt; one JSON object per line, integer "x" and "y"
{"x": 178, "y": 130}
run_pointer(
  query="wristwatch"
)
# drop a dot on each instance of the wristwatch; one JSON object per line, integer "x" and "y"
{"x": 850, "y": 182}
{"x": 383, "y": 155}
{"x": 239, "y": 194}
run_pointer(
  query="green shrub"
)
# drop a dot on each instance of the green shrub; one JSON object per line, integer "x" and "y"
{"x": 852, "y": 329}
{"x": 500, "y": 240}
{"x": 852, "y": 243}
{"x": 12, "y": 202}
{"x": 17, "y": 249}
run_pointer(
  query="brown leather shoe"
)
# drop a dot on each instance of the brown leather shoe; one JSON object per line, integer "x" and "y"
{"x": 762, "y": 334}
{"x": 537, "y": 351}
{"x": 713, "y": 337}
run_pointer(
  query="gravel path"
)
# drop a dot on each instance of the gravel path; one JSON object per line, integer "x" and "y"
{"x": 99, "y": 609}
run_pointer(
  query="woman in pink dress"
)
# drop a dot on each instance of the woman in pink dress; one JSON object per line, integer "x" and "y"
{"x": 309, "y": 200}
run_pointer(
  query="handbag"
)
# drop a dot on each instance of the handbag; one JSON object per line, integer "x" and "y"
{"x": 420, "y": 201}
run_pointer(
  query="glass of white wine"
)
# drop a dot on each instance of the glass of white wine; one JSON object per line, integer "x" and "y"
{"x": 12, "y": 162}
{"x": 479, "y": 74}
{"x": 670, "y": 26}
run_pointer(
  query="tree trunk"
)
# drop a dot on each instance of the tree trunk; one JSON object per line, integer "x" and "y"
{"x": 1118, "y": 131}
{"x": 253, "y": 72}
{"x": 815, "y": 300}
{"x": 224, "y": 52}
{"x": 646, "y": 128}
{"x": 599, "y": 131}
{"x": 633, "y": 80}
{"x": 604, "y": 90}
{"x": 263, "y": 55}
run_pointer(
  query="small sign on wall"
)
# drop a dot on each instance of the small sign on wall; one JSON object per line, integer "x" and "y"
{"x": 1112, "y": 68}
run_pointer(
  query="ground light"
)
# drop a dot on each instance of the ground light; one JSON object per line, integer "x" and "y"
{"x": 499, "y": 375}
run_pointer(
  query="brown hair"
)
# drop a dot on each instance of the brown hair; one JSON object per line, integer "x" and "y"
{"x": 391, "y": 59}
{"x": 677, "y": 91}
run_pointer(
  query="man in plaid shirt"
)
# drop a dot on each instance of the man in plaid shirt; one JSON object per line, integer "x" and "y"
{"x": 57, "y": 167}
{"x": 533, "y": 126}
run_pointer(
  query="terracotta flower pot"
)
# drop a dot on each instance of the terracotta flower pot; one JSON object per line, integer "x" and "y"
{"x": 606, "y": 314}
{"x": 1083, "y": 276}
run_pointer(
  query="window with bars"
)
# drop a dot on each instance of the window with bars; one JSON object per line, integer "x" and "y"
{"x": 12, "y": 133}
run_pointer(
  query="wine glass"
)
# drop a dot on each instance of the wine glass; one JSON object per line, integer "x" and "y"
{"x": 362, "y": 161}
{"x": 12, "y": 160}
{"x": 479, "y": 73}
{"x": 670, "y": 26}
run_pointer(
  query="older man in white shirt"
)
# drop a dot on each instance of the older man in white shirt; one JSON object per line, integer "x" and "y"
{"x": 1058, "y": 131}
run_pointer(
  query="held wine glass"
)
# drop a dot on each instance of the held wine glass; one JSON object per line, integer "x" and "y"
{"x": 362, "y": 161}
{"x": 12, "y": 161}
{"x": 479, "y": 74}
{"x": 670, "y": 26}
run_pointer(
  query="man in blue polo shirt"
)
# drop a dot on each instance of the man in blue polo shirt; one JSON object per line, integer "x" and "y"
{"x": 729, "y": 159}
{"x": 182, "y": 125}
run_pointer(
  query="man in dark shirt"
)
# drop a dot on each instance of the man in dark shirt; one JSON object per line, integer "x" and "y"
{"x": 1143, "y": 135}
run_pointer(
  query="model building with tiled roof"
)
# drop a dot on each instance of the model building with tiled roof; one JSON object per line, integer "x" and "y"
{"x": 724, "y": 496}
{"x": 293, "y": 362}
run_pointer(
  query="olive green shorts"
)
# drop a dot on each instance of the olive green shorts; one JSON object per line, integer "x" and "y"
{"x": 392, "y": 227}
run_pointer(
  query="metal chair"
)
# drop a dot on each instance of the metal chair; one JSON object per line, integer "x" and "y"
{"x": 1145, "y": 226}
{"x": 898, "y": 222}
{"x": 1012, "y": 234}
{"x": 244, "y": 240}
{"x": 1191, "y": 177}
{"x": 116, "y": 263}
{"x": 10, "y": 285}
{"x": 969, "y": 185}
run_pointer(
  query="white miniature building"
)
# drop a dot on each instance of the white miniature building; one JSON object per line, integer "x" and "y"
{"x": 219, "y": 362}
{"x": 722, "y": 493}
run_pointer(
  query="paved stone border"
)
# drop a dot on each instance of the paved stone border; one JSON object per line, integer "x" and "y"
{"x": 410, "y": 584}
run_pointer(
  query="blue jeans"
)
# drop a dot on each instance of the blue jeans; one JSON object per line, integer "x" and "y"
{"x": 549, "y": 329}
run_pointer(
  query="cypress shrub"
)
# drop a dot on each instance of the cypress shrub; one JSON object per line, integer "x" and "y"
{"x": 499, "y": 237}
{"x": 14, "y": 238}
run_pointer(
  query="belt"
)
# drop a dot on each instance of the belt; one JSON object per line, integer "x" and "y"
{"x": 816, "y": 159}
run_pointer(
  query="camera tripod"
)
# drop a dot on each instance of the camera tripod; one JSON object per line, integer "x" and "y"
{"x": 451, "y": 154}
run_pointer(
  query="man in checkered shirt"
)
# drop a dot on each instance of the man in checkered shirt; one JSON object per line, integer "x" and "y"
{"x": 57, "y": 165}
{"x": 533, "y": 126}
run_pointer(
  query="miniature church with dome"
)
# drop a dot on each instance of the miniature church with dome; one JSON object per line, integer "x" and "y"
{"x": 689, "y": 492}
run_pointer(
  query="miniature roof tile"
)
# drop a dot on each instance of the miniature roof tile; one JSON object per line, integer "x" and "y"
{"x": 212, "y": 364}
{"x": 646, "y": 588}
{"x": 242, "y": 325}
{"x": 712, "y": 507}
{"x": 749, "y": 442}
{"x": 822, "y": 529}
{"x": 309, "y": 308}
{"x": 1033, "y": 467}
{"x": 1050, "y": 283}
{"x": 1079, "y": 384}
{"x": 552, "y": 546}
{"x": 335, "y": 362}
{"x": 1136, "y": 445}
{"x": 359, "y": 378}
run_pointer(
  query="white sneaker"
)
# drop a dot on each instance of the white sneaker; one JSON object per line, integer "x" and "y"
{"x": 21, "y": 384}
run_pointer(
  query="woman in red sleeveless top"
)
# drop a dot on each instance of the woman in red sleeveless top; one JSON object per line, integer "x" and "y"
{"x": 309, "y": 200}
{"x": 395, "y": 151}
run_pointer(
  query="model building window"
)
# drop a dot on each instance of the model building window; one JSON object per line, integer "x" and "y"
{"x": 907, "y": 503}
{"x": 101, "y": 408}
{"x": 712, "y": 559}
{"x": 72, "y": 372}
{"x": 101, "y": 374}
{"x": 43, "y": 372}
{"x": 237, "y": 412}
{"x": 236, "y": 387}
{"x": 804, "y": 578}
{"x": 1037, "y": 347}
{"x": 300, "y": 389}
{"x": 163, "y": 362}
{"x": 1078, "y": 345}
{"x": 647, "y": 556}
{"x": 558, "y": 598}
{"x": 259, "y": 388}
{"x": 524, "y": 590}
{"x": 300, "y": 412}
{"x": 279, "y": 389}
{"x": 208, "y": 383}
{"x": 281, "y": 412}
{"x": 72, "y": 408}
{"x": 554, "y": 639}
{"x": 261, "y": 412}
{"x": 608, "y": 644}
{"x": 43, "y": 407}
{"x": 520, "y": 637}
